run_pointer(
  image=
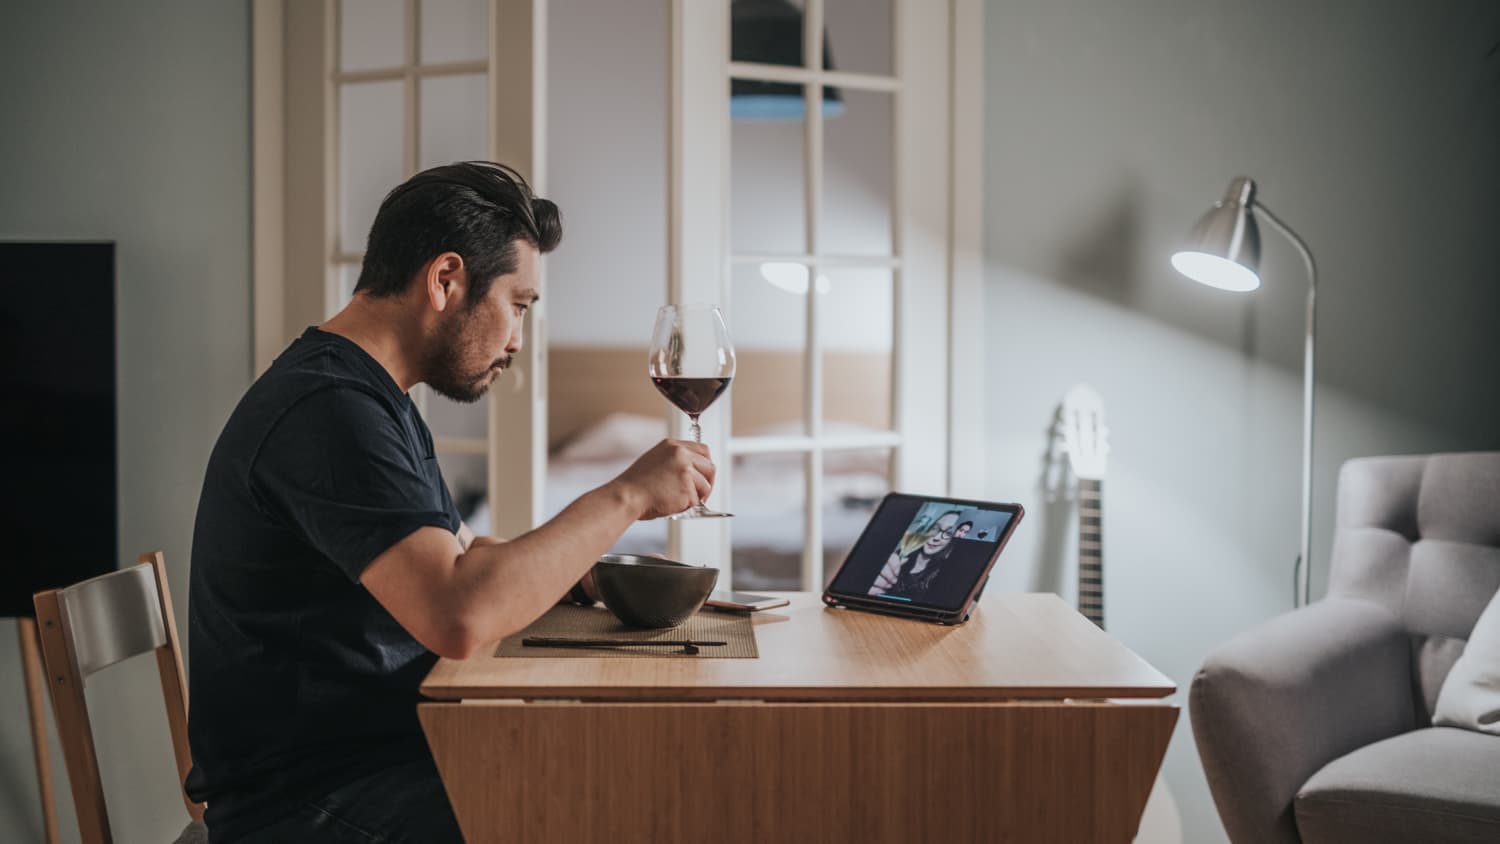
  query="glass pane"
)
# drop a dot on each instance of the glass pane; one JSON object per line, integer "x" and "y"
{"x": 455, "y": 119}
{"x": 606, "y": 169}
{"x": 348, "y": 277}
{"x": 769, "y": 524}
{"x": 856, "y": 315}
{"x": 370, "y": 118}
{"x": 766, "y": 32}
{"x": 601, "y": 415}
{"x": 857, "y": 36}
{"x": 767, "y": 179}
{"x": 767, "y": 317}
{"x": 454, "y": 31}
{"x": 858, "y": 171}
{"x": 854, "y": 481}
{"x": 468, "y": 483}
{"x": 372, "y": 33}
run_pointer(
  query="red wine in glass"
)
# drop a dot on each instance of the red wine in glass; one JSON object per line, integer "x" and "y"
{"x": 691, "y": 395}
{"x": 691, "y": 363}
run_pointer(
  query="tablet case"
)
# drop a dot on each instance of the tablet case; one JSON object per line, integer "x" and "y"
{"x": 930, "y": 614}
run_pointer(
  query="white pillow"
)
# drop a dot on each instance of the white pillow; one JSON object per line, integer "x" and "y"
{"x": 617, "y": 436}
{"x": 1470, "y": 697}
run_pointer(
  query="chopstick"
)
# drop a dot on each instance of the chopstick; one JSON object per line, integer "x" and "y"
{"x": 689, "y": 646}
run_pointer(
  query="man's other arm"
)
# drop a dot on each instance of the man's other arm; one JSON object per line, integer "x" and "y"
{"x": 467, "y": 538}
{"x": 454, "y": 597}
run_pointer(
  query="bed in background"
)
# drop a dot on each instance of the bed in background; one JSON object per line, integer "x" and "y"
{"x": 603, "y": 413}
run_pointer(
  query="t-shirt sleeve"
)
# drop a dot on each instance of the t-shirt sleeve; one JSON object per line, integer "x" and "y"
{"x": 338, "y": 467}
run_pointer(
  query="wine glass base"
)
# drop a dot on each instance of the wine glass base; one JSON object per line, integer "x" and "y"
{"x": 700, "y": 513}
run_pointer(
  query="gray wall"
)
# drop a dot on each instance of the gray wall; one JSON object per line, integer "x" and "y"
{"x": 130, "y": 122}
{"x": 1373, "y": 129}
{"x": 1370, "y": 127}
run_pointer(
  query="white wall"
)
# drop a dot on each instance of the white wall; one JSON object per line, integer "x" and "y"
{"x": 130, "y": 122}
{"x": 1372, "y": 129}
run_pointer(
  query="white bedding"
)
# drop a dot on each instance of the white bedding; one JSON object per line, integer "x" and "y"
{"x": 767, "y": 531}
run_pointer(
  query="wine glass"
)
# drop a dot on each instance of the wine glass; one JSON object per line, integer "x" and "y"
{"x": 691, "y": 363}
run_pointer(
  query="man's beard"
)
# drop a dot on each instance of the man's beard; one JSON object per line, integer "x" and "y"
{"x": 444, "y": 371}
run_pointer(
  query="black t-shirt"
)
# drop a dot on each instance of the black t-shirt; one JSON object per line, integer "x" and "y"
{"x": 300, "y": 680}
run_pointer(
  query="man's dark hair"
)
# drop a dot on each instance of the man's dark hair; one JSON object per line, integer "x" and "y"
{"x": 478, "y": 209}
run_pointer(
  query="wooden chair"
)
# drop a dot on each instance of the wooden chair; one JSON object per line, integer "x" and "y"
{"x": 88, "y": 627}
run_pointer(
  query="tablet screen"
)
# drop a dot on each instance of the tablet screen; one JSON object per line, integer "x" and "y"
{"x": 927, "y": 552}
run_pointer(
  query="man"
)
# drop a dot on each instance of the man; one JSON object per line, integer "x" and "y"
{"x": 330, "y": 567}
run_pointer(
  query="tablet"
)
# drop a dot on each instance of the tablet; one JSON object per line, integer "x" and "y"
{"x": 923, "y": 557}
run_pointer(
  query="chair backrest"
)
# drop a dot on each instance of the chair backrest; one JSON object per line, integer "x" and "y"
{"x": 90, "y": 626}
{"x": 1421, "y": 535}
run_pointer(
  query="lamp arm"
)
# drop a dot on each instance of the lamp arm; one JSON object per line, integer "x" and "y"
{"x": 1286, "y": 231}
{"x": 1301, "y": 573}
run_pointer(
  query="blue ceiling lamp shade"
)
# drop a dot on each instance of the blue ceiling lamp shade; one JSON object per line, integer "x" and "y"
{"x": 770, "y": 32}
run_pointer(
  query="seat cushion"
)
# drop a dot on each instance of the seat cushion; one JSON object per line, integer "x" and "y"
{"x": 1430, "y": 786}
{"x": 193, "y": 833}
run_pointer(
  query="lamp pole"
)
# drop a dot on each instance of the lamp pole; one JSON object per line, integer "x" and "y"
{"x": 1301, "y": 573}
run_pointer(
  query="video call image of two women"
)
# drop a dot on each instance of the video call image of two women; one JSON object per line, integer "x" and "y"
{"x": 940, "y": 555}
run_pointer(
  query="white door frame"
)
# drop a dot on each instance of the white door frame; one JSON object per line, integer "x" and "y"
{"x": 967, "y": 468}
{"x": 518, "y": 409}
{"x": 698, "y": 227}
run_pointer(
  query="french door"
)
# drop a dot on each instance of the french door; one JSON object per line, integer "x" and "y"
{"x": 827, "y": 233}
{"x": 353, "y": 97}
{"x": 841, "y": 242}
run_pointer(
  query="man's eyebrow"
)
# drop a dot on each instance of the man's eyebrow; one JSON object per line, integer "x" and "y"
{"x": 528, "y": 293}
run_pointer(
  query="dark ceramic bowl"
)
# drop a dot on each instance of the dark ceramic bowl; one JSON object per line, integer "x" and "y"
{"x": 649, "y": 592}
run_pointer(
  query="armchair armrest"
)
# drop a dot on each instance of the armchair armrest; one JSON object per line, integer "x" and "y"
{"x": 1275, "y": 704}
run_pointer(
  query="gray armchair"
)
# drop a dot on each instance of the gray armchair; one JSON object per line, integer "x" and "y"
{"x": 1317, "y": 725}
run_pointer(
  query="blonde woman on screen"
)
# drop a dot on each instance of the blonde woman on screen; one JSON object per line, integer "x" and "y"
{"x": 909, "y": 574}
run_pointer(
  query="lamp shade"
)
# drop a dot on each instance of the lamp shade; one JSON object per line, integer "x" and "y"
{"x": 770, "y": 32}
{"x": 1223, "y": 250}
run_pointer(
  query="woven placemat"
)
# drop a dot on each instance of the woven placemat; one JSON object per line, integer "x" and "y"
{"x": 566, "y": 620}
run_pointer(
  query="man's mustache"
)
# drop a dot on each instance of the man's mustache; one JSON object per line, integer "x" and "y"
{"x": 503, "y": 363}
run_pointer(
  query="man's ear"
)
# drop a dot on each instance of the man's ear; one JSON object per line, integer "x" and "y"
{"x": 445, "y": 282}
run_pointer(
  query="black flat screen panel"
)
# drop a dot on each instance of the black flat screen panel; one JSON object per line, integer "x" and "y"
{"x": 57, "y": 429}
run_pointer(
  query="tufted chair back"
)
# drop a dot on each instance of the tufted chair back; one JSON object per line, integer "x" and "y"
{"x": 1421, "y": 536}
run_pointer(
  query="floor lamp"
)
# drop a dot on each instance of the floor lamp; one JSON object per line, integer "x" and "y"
{"x": 1223, "y": 251}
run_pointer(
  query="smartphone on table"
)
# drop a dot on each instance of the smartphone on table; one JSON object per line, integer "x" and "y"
{"x": 744, "y": 601}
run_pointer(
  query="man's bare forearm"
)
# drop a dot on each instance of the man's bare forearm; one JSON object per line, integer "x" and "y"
{"x": 502, "y": 587}
{"x": 454, "y": 598}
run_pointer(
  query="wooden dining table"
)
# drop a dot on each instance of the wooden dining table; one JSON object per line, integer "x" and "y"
{"x": 1026, "y": 724}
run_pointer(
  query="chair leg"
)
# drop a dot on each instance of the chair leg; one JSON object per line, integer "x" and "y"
{"x": 31, "y": 664}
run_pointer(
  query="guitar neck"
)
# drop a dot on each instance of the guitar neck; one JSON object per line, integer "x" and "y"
{"x": 1091, "y": 550}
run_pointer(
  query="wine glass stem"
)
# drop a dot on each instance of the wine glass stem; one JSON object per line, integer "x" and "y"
{"x": 697, "y": 438}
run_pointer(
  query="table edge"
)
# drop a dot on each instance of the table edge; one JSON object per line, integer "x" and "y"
{"x": 802, "y": 694}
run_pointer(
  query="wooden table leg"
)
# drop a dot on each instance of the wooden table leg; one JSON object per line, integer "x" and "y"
{"x": 31, "y": 665}
{"x": 766, "y": 772}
